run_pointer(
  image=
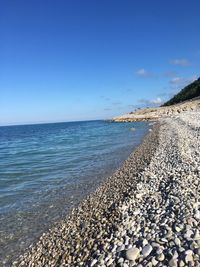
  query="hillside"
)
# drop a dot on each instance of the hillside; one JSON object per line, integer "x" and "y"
{"x": 190, "y": 91}
{"x": 188, "y": 99}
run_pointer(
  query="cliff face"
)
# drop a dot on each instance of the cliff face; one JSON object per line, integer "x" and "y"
{"x": 151, "y": 114}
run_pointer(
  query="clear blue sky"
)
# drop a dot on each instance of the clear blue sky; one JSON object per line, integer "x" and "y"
{"x": 77, "y": 60}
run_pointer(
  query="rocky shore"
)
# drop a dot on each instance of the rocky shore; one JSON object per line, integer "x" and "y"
{"x": 152, "y": 114}
{"x": 146, "y": 214}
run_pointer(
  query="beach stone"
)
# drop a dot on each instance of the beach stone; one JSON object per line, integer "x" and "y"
{"x": 177, "y": 241}
{"x": 146, "y": 250}
{"x": 160, "y": 257}
{"x": 93, "y": 262}
{"x": 181, "y": 263}
{"x": 139, "y": 195}
{"x": 132, "y": 254}
{"x": 197, "y": 215}
{"x": 144, "y": 242}
{"x": 175, "y": 254}
{"x": 189, "y": 252}
{"x": 120, "y": 260}
{"x": 154, "y": 261}
{"x": 173, "y": 263}
{"x": 188, "y": 234}
{"x": 177, "y": 229}
{"x": 188, "y": 258}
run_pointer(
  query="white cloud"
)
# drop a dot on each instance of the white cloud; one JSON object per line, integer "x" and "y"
{"x": 181, "y": 81}
{"x": 181, "y": 62}
{"x": 142, "y": 73}
{"x": 176, "y": 80}
{"x": 151, "y": 102}
{"x": 156, "y": 101}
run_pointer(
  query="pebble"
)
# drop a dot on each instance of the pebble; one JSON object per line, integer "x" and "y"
{"x": 132, "y": 254}
{"x": 173, "y": 263}
{"x": 181, "y": 263}
{"x": 93, "y": 262}
{"x": 146, "y": 250}
{"x": 188, "y": 258}
{"x": 177, "y": 241}
{"x": 160, "y": 257}
{"x": 154, "y": 261}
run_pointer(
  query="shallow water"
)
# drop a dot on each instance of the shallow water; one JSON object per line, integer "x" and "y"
{"x": 46, "y": 169}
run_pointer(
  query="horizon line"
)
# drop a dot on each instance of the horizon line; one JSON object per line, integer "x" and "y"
{"x": 37, "y": 123}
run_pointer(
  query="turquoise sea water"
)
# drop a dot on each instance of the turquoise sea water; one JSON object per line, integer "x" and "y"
{"x": 46, "y": 169}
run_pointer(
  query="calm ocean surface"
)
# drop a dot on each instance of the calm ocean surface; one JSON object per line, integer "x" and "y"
{"x": 46, "y": 169}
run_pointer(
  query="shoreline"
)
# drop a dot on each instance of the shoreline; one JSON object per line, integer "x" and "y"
{"x": 142, "y": 215}
{"x": 23, "y": 227}
{"x": 107, "y": 187}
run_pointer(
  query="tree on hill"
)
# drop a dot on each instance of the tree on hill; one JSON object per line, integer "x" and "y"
{"x": 190, "y": 91}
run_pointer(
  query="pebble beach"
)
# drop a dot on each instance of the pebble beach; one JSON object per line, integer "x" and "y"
{"x": 146, "y": 214}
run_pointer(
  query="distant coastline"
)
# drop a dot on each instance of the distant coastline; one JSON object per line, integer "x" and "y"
{"x": 152, "y": 114}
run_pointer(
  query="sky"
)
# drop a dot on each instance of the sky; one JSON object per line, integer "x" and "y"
{"x": 69, "y": 60}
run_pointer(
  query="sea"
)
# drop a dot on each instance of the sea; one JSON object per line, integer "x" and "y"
{"x": 47, "y": 169}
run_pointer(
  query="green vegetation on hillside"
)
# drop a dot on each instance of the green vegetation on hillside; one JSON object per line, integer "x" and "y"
{"x": 190, "y": 91}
